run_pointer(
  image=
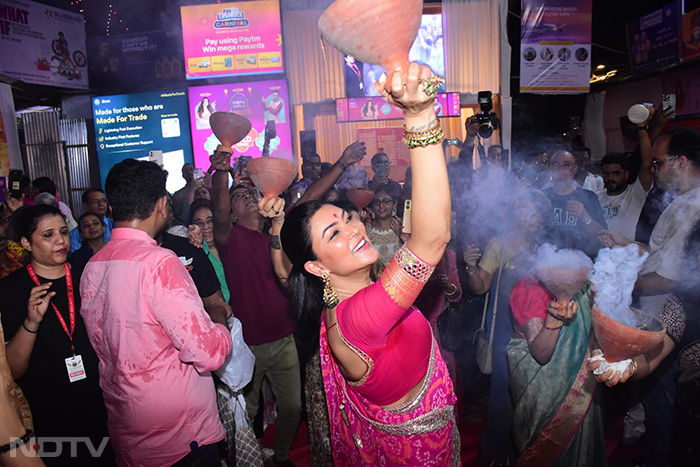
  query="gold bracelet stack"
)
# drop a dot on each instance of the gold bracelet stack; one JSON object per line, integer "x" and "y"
{"x": 420, "y": 139}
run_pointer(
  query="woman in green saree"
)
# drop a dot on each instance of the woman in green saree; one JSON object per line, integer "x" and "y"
{"x": 557, "y": 418}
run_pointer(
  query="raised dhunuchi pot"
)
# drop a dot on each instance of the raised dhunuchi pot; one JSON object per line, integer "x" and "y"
{"x": 272, "y": 175}
{"x": 229, "y": 128}
{"x": 619, "y": 341}
{"x": 379, "y": 32}
{"x": 360, "y": 198}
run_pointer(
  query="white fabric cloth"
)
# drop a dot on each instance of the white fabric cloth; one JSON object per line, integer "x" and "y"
{"x": 618, "y": 367}
{"x": 593, "y": 182}
{"x": 622, "y": 211}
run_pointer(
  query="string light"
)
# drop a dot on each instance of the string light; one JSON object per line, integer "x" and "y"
{"x": 109, "y": 21}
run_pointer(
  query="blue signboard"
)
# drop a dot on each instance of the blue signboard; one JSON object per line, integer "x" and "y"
{"x": 653, "y": 39}
{"x": 132, "y": 125}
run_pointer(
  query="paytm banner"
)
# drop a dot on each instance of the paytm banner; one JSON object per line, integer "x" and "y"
{"x": 555, "y": 46}
{"x": 42, "y": 45}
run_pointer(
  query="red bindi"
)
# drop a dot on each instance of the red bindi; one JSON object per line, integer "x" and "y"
{"x": 336, "y": 216}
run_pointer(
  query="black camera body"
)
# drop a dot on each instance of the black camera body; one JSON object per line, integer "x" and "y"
{"x": 488, "y": 121}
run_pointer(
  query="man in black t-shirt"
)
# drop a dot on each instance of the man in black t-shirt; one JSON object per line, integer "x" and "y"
{"x": 203, "y": 274}
{"x": 577, "y": 214}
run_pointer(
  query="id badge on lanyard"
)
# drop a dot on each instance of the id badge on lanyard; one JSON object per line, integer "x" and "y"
{"x": 74, "y": 364}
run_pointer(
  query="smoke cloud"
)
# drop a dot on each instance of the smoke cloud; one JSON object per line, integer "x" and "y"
{"x": 614, "y": 273}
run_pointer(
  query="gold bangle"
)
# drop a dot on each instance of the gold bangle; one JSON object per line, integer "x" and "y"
{"x": 634, "y": 368}
{"x": 415, "y": 139}
{"x": 452, "y": 291}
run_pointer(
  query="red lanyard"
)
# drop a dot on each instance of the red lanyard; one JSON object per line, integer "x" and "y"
{"x": 71, "y": 303}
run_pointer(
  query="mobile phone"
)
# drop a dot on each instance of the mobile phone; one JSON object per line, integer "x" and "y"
{"x": 156, "y": 156}
{"x": 407, "y": 216}
{"x": 198, "y": 174}
{"x": 15, "y": 183}
{"x": 668, "y": 101}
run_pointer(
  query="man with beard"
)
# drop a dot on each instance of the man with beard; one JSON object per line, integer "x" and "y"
{"x": 156, "y": 344}
{"x": 676, "y": 160}
{"x": 622, "y": 202}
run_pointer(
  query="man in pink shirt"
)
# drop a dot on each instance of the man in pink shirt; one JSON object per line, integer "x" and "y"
{"x": 156, "y": 344}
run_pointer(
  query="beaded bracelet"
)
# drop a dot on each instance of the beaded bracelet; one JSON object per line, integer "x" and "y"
{"x": 416, "y": 139}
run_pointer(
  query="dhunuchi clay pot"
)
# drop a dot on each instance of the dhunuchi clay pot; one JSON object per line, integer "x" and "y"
{"x": 272, "y": 175}
{"x": 563, "y": 282}
{"x": 619, "y": 341}
{"x": 380, "y": 32}
{"x": 229, "y": 128}
{"x": 360, "y": 198}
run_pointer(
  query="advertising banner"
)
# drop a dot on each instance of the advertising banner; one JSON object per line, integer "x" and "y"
{"x": 555, "y": 46}
{"x": 652, "y": 40}
{"x": 690, "y": 35}
{"x": 10, "y": 155}
{"x": 131, "y": 125}
{"x": 376, "y": 108}
{"x": 386, "y": 140}
{"x": 427, "y": 49}
{"x": 227, "y": 39}
{"x": 151, "y": 59}
{"x": 42, "y": 45}
{"x": 258, "y": 101}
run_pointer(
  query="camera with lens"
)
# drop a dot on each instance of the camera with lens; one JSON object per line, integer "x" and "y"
{"x": 488, "y": 121}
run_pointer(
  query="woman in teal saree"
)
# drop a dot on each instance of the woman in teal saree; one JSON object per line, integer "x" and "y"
{"x": 557, "y": 418}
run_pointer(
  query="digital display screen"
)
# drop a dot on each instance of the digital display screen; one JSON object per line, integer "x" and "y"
{"x": 131, "y": 125}
{"x": 362, "y": 109}
{"x": 229, "y": 39}
{"x": 427, "y": 49}
{"x": 258, "y": 101}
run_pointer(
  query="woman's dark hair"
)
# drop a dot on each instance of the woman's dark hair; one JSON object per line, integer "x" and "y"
{"x": 305, "y": 288}
{"x": 197, "y": 205}
{"x": 27, "y": 219}
{"x": 200, "y": 107}
{"x": 45, "y": 185}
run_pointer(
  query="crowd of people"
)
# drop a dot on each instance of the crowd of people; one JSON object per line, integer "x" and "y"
{"x": 120, "y": 328}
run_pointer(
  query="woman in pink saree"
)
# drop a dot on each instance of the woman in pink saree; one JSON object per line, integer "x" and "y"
{"x": 389, "y": 396}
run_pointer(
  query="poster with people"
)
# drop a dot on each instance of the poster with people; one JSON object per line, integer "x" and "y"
{"x": 41, "y": 44}
{"x": 555, "y": 46}
{"x": 690, "y": 34}
{"x": 258, "y": 101}
{"x": 652, "y": 40}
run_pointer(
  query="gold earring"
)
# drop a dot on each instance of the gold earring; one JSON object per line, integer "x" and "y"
{"x": 330, "y": 297}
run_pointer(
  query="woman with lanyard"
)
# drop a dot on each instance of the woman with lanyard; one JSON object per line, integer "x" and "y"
{"x": 48, "y": 350}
